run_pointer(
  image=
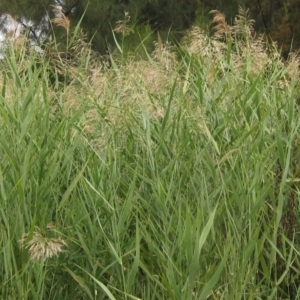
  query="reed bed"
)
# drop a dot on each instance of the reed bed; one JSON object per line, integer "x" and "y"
{"x": 172, "y": 176}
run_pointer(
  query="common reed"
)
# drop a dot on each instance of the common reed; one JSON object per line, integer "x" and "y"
{"x": 170, "y": 175}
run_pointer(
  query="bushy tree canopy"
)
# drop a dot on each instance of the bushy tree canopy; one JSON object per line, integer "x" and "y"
{"x": 100, "y": 17}
{"x": 278, "y": 18}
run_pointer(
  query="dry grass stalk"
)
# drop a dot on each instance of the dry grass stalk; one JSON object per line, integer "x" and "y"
{"x": 159, "y": 43}
{"x": 61, "y": 20}
{"x": 221, "y": 29}
{"x": 122, "y": 25}
{"x": 243, "y": 25}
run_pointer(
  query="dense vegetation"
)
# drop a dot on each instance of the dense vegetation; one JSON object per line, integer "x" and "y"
{"x": 276, "y": 18}
{"x": 170, "y": 174}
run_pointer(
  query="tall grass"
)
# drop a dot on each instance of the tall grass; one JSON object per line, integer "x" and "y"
{"x": 174, "y": 177}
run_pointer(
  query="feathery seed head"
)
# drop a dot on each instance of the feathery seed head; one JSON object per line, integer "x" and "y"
{"x": 41, "y": 247}
{"x": 61, "y": 20}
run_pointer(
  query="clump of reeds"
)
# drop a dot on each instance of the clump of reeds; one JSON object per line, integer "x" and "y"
{"x": 238, "y": 43}
{"x": 175, "y": 174}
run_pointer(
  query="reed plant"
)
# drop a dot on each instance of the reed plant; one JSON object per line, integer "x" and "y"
{"x": 173, "y": 176}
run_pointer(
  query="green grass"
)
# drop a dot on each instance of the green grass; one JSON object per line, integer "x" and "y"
{"x": 181, "y": 183}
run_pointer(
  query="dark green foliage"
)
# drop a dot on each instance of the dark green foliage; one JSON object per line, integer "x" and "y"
{"x": 33, "y": 15}
{"x": 100, "y": 17}
{"x": 279, "y": 19}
